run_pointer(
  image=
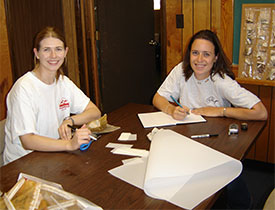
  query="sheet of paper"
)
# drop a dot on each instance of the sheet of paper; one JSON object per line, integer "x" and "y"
{"x": 133, "y": 160}
{"x": 125, "y": 136}
{"x": 180, "y": 170}
{"x": 158, "y": 119}
{"x": 116, "y": 145}
{"x": 130, "y": 151}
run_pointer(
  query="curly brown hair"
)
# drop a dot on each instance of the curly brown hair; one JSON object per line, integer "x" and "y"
{"x": 222, "y": 64}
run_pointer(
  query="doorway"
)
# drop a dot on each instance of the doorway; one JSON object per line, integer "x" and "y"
{"x": 127, "y": 62}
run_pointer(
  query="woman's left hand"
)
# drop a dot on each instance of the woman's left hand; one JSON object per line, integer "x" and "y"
{"x": 209, "y": 111}
{"x": 65, "y": 132}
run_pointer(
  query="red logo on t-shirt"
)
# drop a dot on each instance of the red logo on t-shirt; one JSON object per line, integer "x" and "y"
{"x": 64, "y": 104}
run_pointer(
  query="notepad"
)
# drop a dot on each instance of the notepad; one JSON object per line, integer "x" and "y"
{"x": 159, "y": 119}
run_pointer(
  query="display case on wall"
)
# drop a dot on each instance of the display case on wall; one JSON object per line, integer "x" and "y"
{"x": 257, "y": 44}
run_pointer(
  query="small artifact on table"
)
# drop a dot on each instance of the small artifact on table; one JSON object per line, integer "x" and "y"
{"x": 101, "y": 126}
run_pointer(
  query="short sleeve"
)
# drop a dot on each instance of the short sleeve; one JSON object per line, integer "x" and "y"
{"x": 21, "y": 108}
{"x": 171, "y": 85}
{"x": 237, "y": 95}
{"x": 79, "y": 100}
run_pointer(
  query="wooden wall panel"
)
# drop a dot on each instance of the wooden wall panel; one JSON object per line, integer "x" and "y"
{"x": 262, "y": 143}
{"x": 173, "y": 35}
{"x": 68, "y": 8}
{"x": 226, "y": 32}
{"x": 202, "y": 15}
{"x": 252, "y": 151}
{"x": 263, "y": 149}
{"x": 5, "y": 64}
{"x": 25, "y": 19}
{"x": 216, "y": 16}
{"x": 188, "y": 30}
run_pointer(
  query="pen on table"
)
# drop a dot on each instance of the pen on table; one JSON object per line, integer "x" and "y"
{"x": 204, "y": 136}
{"x": 74, "y": 129}
{"x": 177, "y": 103}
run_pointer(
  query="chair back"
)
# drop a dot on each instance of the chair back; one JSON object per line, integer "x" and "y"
{"x": 2, "y": 140}
{"x": 270, "y": 202}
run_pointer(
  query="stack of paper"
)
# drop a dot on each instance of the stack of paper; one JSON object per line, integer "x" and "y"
{"x": 179, "y": 170}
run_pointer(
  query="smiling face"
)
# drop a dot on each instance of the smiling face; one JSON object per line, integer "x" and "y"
{"x": 202, "y": 58}
{"x": 51, "y": 54}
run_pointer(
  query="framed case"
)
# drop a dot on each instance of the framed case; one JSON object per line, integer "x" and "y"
{"x": 257, "y": 44}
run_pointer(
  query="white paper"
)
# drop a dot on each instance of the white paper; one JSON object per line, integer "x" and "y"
{"x": 130, "y": 151}
{"x": 180, "y": 170}
{"x": 158, "y": 119}
{"x": 132, "y": 160}
{"x": 116, "y": 145}
{"x": 125, "y": 136}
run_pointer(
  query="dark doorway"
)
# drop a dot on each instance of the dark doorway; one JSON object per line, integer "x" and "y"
{"x": 127, "y": 63}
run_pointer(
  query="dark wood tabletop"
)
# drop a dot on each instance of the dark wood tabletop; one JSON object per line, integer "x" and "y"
{"x": 86, "y": 173}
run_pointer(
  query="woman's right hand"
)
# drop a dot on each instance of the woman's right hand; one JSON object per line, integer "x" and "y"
{"x": 81, "y": 136}
{"x": 179, "y": 113}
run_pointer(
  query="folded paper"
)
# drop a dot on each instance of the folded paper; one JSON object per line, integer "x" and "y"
{"x": 180, "y": 170}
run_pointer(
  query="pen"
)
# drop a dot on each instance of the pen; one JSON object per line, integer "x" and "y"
{"x": 74, "y": 129}
{"x": 177, "y": 103}
{"x": 204, "y": 136}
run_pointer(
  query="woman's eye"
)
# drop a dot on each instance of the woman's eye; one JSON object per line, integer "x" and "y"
{"x": 206, "y": 54}
{"x": 195, "y": 53}
{"x": 59, "y": 49}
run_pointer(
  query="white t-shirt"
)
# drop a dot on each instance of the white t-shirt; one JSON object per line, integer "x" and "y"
{"x": 215, "y": 92}
{"x": 35, "y": 107}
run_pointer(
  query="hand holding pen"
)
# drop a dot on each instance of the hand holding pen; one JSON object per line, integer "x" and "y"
{"x": 179, "y": 112}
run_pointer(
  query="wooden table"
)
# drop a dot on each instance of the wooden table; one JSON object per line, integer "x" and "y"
{"x": 86, "y": 173}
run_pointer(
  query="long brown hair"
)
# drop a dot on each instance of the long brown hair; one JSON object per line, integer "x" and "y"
{"x": 222, "y": 64}
{"x": 45, "y": 33}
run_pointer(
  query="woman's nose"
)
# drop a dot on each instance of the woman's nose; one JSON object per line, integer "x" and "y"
{"x": 200, "y": 57}
{"x": 53, "y": 54}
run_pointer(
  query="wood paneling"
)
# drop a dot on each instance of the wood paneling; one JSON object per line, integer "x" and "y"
{"x": 5, "y": 65}
{"x": 202, "y": 15}
{"x": 92, "y": 45}
{"x": 188, "y": 30}
{"x": 216, "y": 16}
{"x": 263, "y": 149}
{"x": 68, "y": 8}
{"x": 24, "y": 20}
{"x": 226, "y": 27}
{"x": 253, "y": 89}
{"x": 173, "y": 34}
{"x": 262, "y": 143}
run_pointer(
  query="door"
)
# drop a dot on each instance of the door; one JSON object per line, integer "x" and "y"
{"x": 127, "y": 67}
